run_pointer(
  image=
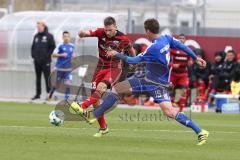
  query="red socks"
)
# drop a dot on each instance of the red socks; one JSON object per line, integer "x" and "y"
{"x": 102, "y": 122}
{"x": 88, "y": 102}
{"x": 93, "y": 99}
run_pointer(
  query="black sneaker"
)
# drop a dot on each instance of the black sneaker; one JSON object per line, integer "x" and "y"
{"x": 35, "y": 97}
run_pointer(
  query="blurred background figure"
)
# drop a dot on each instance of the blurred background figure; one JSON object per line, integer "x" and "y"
{"x": 227, "y": 72}
{"x": 179, "y": 75}
{"x": 64, "y": 52}
{"x": 199, "y": 77}
{"x": 215, "y": 71}
{"x": 42, "y": 48}
{"x": 134, "y": 71}
{"x": 139, "y": 70}
{"x": 235, "y": 84}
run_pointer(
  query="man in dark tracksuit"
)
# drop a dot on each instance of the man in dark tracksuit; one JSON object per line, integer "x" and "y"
{"x": 215, "y": 71}
{"x": 227, "y": 73}
{"x": 41, "y": 50}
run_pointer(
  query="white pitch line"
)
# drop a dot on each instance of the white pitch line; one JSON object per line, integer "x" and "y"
{"x": 121, "y": 129}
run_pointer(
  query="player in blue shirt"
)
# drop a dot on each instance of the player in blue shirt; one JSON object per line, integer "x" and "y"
{"x": 63, "y": 52}
{"x": 156, "y": 81}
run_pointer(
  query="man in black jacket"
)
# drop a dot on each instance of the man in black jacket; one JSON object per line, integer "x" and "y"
{"x": 41, "y": 50}
{"x": 215, "y": 71}
{"x": 198, "y": 73}
{"x": 227, "y": 73}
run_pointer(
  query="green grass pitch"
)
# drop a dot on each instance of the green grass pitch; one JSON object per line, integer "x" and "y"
{"x": 25, "y": 134}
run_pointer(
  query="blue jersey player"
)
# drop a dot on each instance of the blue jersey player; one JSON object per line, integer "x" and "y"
{"x": 63, "y": 52}
{"x": 156, "y": 81}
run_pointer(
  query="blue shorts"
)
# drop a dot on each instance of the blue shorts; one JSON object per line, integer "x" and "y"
{"x": 64, "y": 75}
{"x": 142, "y": 86}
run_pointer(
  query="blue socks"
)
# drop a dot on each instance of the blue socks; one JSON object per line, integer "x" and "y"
{"x": 107, "y": 103}
{"x": 67, "y": 92}
{"x": 110, "y": 100}
{"x": 184, "y": 120}
{"x": 51, "y": 92}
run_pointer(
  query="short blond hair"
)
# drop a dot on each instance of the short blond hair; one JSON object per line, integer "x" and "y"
{"x": 42, "y": 22}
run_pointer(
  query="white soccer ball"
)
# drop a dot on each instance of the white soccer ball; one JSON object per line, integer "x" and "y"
{"x": 56, "y": 117}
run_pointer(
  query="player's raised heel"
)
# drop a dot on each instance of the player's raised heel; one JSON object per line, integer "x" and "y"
{"x": 76, "y": 107}
{"x": 101, "y": 132}
{"x": 202, "y": 137}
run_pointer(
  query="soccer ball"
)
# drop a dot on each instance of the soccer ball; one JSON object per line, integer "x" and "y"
{"x": 56, "y": 117}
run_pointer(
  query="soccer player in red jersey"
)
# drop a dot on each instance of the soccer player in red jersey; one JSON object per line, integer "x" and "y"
{"x": 179, "y": 74}
{"x": 108, "y": 69}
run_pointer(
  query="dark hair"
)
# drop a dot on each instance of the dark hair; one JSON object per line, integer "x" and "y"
{"x": 109, "y": 21}
{"x": 221, "y": 54}
{"x": 183, "y": 35}
{"x": 232, "y": 51}
{"x": 152, "y": 25}
{"x": 137, "y": 47}
{"x": 66, "y": 32}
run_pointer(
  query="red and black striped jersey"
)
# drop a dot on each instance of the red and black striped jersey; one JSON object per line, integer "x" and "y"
{"x": 119, "y": 43}
{"x": 179, "y": 57}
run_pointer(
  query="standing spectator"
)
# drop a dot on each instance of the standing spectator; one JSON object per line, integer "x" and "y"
{"x": 41, "y": 50}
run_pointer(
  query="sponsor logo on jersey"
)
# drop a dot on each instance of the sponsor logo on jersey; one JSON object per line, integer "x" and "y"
{"x": 181, "y": 58}
{"x": 166, "y": 48}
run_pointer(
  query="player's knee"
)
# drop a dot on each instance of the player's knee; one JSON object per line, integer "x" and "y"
{"x": 169, "y": 115}
{"x": 67, "y": 82}
{"x": 115, "y": 90}
{"x": 169, "y": 112}
{"x": 96, "y": 104}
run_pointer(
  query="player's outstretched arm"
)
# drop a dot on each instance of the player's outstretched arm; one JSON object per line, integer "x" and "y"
{"x": 132, "y": 52}
{"x": 127, "y": 59}
{"x": 177, "y": 44}
{"x": 83, "y": 34}
{"x": 201, "y": 62}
